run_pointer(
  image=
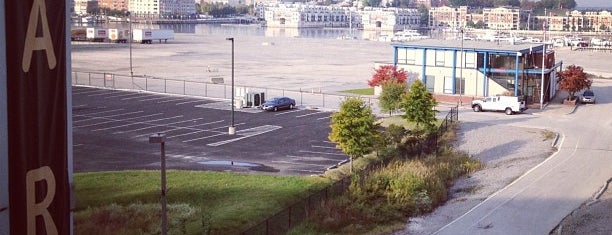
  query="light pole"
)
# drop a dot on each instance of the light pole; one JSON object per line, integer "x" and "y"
{"x": 130, "y": 43}
{"x": 161, "y": 139}
{"x": 232, "y": 129}
{"x": 461, "y": 71}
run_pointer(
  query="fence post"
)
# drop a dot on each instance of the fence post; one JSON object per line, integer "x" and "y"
{"x": 146, "y": 83}
{"x": 205, "y": 89}
{"x": 104, "y": 79}
{"x": 165, "y": 82}
{"x": 89, "y": 79}
{"x": 114, "y": 82}
{"x": 184, "y": 85}
{"x": 132, "y": 82}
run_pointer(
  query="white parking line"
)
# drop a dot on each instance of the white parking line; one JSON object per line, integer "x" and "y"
{"x": 137, "y": 97}
{"x": 123, "y": 95}
{"x": 118, "y": 120}
{"x": 324, "y": 118}
{"x": 158, "y": 125}
{"x": 206, "y": 130}
{"x": 104, "y": 117}
{"x": 336, "y": 154}
{"x": 136, "y": 123}
{"x": 185, "y": 127}
{"x": 96, "y": 113}
{"x": 189, "y": 102}
{"x": 79, "y": 106}
{"x": 158, "y": 98}
{"x": 308, "y": 114}
{"x": 96, "y": 91}
{"x": 325, "y": 147}
{"x": 106, "y": 93}
{"x": 248, "y": 133}
{"x": 171, "y": 100}
{"x": 288, "y": 112}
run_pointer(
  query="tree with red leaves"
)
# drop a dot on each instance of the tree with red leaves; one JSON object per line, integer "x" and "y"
{"x": 572, "y": 80}
{"x": 385, "y": 73}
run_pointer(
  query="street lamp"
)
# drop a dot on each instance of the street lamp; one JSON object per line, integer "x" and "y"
{"x": 161, "y": 139}
{"x": 461, "y": 71}
{"x": 130, "y": 43}
{"x": 232, "y": 129}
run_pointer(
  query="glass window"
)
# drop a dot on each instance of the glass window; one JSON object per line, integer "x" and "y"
{"x": 460, "y": 86}
{"x": 430, "y": 83}
{"x": 470, "y": 59}
{"x": 440, "y": 58}
{"x": 448, "y": 85}
{"x": 410, "y": 56}
{"x": 401, "y": 55}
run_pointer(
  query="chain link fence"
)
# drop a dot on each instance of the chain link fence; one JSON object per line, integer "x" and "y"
{"x": 307, "y": 99}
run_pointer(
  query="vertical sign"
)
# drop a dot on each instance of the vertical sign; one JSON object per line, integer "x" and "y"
{"x": 37, "y": 116}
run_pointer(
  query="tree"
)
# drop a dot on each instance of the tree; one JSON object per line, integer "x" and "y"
{"x": 603, "y": 27}
{"x": 480, "y": 24}
{"x": 572, "y": 80}
{"x": 385, "y": 73}
{"x": 391, "y": 95}
{"x": 424, "y": 12}
{"x": 419, "y": 105}
{"x": 353, "y": 129}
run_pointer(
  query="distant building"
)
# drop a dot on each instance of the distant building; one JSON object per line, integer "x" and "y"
{"x": 370, "y": 18}
{"x": 82, "y": 6}
{"x": 161, "y": 8}
{"x": 574, "y": 21}
{"x": 501, "y": 18}
{"x": 121, "y": 5}
{"x": 452, "y": 70}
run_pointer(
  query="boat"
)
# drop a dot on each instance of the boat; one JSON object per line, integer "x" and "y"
{"x": 407, "y": 35}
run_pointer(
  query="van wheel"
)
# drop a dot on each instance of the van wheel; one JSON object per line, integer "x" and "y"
{"x": 476, "y": 108}
{"x": 508, "y": 111}
{"x": 291, "y": 106}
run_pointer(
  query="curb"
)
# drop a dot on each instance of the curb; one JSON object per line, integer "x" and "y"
{"x": 601, "y": 191}
{"x": 554, "y": 143}
{"x": 573, "y": 110}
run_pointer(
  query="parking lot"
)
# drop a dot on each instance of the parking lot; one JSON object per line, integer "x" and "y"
{"x": 111, "y": 130}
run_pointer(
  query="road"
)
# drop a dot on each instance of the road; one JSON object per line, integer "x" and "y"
{"x": 537, "y": 201}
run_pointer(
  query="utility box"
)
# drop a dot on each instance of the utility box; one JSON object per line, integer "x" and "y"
{"x": 255, "y": 99}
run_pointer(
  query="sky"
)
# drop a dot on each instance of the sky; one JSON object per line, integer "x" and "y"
{"x": 594, "y": 3}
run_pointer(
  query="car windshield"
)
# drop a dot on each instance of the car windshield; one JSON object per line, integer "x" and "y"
{"x": 588, "y": 93}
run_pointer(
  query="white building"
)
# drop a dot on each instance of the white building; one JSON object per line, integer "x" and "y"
{"x": 162, "y": 8}
{"x": 81, "y": 6}
{"x": 370, "y": 18}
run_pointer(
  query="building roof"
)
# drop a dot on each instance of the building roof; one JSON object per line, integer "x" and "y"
{"x": 502, "y": 47}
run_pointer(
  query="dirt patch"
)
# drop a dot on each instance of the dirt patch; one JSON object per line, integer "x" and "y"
{"x": 593, "y": 217}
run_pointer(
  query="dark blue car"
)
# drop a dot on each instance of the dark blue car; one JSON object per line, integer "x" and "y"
{"x": 277, "y": 103}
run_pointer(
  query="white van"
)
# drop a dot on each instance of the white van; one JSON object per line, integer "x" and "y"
{"x": 508, "y": 104}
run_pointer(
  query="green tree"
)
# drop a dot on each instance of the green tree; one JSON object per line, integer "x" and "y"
{"x": 479, "y": 25}
{"x": 391, "y": 96}
{"x": 419, "y": 105}
{"x": 424, "y": 12}
{"x": 572, "y": 80}
{"x": 603, "y": 27}
{"x": 354, "y": 129}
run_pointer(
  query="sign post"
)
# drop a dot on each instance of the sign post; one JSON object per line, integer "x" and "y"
{"x": 35, "y": 133}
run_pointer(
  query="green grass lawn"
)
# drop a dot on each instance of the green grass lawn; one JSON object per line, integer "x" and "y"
{"x": 363, "y": 91}
{"x": 228, "y": 202}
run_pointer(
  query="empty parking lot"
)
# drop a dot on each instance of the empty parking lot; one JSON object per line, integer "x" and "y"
{"x": 111, "y": 131}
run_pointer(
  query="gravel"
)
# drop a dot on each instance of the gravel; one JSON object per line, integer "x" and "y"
{"x": 505, "y": 157}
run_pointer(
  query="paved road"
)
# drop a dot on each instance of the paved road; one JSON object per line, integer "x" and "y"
{"x": 536, "y": 202}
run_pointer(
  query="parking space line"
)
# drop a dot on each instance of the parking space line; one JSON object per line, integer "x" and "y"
{"x": 308, "y": 114}
{"x": 106, "y": 93}
{"x": 123, "y": 95}
{"x": 118, "y": 120}
{"x": 95, "y": 91}
{"x": 205, "y": 137}
{"x": 171, "y": 100}
{"x": 324, "y": 118}
{"x": 185, "y": 127}
{"x": 336, "y": 154}
{"x": 141, "y": 96}
{"x": 89, "y": 117}
{"x": 158, "y": 98}
{"x": 205, "y": 130}
{"x": 248, "y": 133}
{"x": 136, "y": 123}
{"x": 288, "y": 112}
{"x": 189, "y": 102}
{"x": 325, "y": 147}
{"x": 79, "y": 106}
{"x": 96, "y": 113}
{"x": 158, "y": 125}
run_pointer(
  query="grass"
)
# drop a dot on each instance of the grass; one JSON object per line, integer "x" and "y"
{"x": 362, "y": 91}
{"x": 548, "y": 135}
{"x": 221, "y": 201}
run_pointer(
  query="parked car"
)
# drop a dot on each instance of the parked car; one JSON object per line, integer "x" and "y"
{"x": 588, "y": 97}
{"x": 278, "y": 103}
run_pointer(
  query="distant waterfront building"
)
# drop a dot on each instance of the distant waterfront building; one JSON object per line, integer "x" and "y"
{"x": 504, "y": 18}
{"x": 121, "y": 5}
{"x": 81, "y": 6}
{"x": 500, "y": 18}
{"x": 162, "y": 8}
{"x": 576, "y": 21}
{"x": 370, "y": 18}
